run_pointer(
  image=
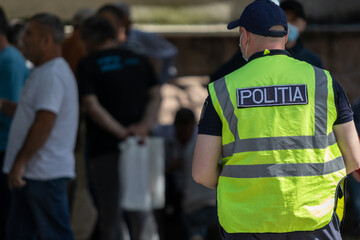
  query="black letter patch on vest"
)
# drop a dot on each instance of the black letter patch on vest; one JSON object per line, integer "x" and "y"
{"x": 268, "y": 96}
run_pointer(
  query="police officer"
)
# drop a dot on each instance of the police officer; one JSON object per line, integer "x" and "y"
{"x": 285, "y": 132}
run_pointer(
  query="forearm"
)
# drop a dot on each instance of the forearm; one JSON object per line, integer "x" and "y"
{"x": 36, "y": 137}
{"x": 348, "y": 142}
{"x": 206, "y": 168}
{"x": 152, "y": 109}
{"x": 8, "y": 107}
{"x": 150, "y": 117}
{"x": 104, "y": 119}
{"x": 210, "y": 180}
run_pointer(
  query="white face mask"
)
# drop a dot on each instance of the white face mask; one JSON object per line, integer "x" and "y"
{"x": 242, "y": 52}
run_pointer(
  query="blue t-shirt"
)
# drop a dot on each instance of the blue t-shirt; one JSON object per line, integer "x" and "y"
{"x": 13, "y": 73}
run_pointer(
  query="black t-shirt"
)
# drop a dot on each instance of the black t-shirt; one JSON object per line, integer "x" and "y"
{"x": 210, "y": 123}
{"x": 121, "y": 81}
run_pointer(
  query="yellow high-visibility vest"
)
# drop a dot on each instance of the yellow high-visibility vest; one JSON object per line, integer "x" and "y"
{"x": 281, "y": 162}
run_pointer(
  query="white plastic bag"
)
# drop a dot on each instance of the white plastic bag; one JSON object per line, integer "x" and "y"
{"x": 141, "y": 171}
{"x": 156, "y": 153}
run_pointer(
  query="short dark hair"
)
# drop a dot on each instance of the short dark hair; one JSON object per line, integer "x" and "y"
{"x": 97, "y": 30}
{"x": 3, "y": 22}
{"x": 52, "y": 23}
{"x": 184, "y": 116}
{"x": 118, "y": 12}
{"x": 294, "y": 6}
{"x": 15, "y": 33}
{"x": 124, "y": 8}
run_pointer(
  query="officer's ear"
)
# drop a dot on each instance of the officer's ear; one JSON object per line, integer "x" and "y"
{"x": 245, "y": 35}
{"x": 286, "y": 37}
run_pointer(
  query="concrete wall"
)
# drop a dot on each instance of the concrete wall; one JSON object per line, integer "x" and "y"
{"x": 184, "y": 11}
{"x": 154, "y": 11}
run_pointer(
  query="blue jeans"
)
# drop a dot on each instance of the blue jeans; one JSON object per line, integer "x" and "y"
{"x": 40, "y": 211}
{"x": 5, "y": 198}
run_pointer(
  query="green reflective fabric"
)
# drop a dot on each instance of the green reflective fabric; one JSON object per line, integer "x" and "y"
{"x": 285, "y": 171}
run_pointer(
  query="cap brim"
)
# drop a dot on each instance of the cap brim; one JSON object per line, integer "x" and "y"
{"x": 233, "y": 24}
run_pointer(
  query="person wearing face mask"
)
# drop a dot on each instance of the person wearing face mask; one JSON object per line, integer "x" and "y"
{"x": 286, "y": 137}
{"x": 297, "y": 24}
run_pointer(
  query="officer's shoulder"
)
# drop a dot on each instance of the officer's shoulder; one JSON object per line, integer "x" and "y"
{"x": 301, "y": 63}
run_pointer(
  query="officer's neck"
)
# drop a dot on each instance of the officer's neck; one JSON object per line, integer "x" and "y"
{"x": 260, "y": 44}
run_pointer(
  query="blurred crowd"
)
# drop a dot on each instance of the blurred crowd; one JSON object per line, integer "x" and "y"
{"x": 105, "y": 76}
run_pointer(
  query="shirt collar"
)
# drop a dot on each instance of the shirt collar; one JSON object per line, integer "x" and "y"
{"x": 269, "y": 53}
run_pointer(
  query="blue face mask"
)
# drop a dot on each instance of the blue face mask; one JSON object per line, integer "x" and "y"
{"x": 293, "y": 33}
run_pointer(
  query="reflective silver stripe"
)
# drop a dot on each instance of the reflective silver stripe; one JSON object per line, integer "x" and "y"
{"x": 223, "y": 97}
{"x": 283, "y": 170}
{"x": 319, "y": 140}
{"x": 321, "y": 94}
{"x": 278, "y": 143}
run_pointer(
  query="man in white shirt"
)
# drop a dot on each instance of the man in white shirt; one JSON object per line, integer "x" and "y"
{"x": 39, "y": 157}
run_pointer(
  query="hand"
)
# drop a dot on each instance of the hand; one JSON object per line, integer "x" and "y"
{"x": 138, "y": 129}
{"x": 16, "y": 176}
{"x": 123, "y": 134}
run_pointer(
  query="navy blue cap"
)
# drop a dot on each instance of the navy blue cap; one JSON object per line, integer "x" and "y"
{"x": 258, "y": 17}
